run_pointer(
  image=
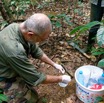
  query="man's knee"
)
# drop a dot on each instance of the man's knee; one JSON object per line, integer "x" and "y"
{"x": 32, "y": 95}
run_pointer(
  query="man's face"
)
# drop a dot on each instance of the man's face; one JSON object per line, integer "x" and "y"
{"x": 39, "y": 38}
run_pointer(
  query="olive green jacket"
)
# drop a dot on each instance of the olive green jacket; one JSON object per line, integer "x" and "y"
{"x": 14, "y": 51}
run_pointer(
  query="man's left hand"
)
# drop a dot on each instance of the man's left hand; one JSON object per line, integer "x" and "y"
{"x": 59, "y": 67}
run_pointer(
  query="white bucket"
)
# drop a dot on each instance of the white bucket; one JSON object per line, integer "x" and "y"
{"x": 87, "y": 95}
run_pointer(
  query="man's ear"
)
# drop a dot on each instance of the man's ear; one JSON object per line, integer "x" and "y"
{"x": 30, "y": 34}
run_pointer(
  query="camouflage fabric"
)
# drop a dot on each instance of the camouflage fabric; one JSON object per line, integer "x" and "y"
{"x": 18, "y": 91}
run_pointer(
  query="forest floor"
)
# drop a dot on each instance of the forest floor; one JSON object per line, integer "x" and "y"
{"x": 59, "y": 51}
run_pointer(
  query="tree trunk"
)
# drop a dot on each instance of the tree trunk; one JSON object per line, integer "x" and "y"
{"x": 3, "y": 12}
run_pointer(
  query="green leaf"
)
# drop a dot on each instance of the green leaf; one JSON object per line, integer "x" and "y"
{"x": 88, "y": 26}
{"x": 61, "y": 15}
{"x": 44, "y": 100}
{"x": 76, "y": 10}
{"x": 75, "y": 30}
{"x": 58, "y": 24}
{"x": 101, "y": 63}
{"x": 13, "y": 2}
{"x": 99, "y": 99}
{"x": 97, "y": 53}
{"x": 51, "y": 16}
{"x": 1, "y": 101}
{"x": 3, "y": 97}
{"x": 83, "y": 29}
{"x": 100, "y": 36}
{"x": 91, "y": 24}
{"x": 39, "y": 6}
{"x": 67, "y": 20}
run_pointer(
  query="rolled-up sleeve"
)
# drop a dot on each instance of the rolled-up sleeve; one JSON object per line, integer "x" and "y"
{"x": 26, "y": 70}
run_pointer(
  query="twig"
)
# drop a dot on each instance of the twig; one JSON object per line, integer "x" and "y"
{"x": 66, "y": 70}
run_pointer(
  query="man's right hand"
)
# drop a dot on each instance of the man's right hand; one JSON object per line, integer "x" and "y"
{"x": 66, "y": 78}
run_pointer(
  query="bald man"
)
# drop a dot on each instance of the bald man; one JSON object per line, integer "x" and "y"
{"x": 18, "y": 76}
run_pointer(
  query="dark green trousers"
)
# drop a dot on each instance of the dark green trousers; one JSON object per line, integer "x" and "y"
{"x": 18, "y": 91}
{"x": 96, "y": 15}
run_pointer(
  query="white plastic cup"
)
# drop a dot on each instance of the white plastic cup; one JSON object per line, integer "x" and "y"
{"x": 64, "y": 82}
{"x": 61, "y": 84}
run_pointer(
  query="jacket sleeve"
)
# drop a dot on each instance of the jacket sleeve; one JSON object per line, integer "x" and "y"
{"x": 36, "y": 51}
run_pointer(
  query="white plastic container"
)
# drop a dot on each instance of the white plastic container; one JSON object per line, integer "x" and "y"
{"x": 88, "y": 95}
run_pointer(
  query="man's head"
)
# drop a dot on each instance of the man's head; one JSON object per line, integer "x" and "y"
{"x": 36, "y": 28}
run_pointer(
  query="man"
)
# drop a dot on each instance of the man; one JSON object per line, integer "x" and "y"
{"x": 18, "y": 76}
{"x": 97, "y": 11}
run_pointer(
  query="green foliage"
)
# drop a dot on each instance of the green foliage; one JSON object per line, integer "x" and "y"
{"x": 43, "y": 4}
{"x": 3, "y": 98}
{"x": 44, "y": 100}
{"x": 99, "y": 99}
{"x": 100, "y": 41}
{"x": 100, "y": 50}
{"x": 59, "y": 19}
{"x": 75, "y": 30}
{"x": 97, "y": 51}
{"x": 100, "y": 38}
{"x": 101, "y": 63}
{"x": 80, "y": 29}
{"x": 65, "y": 18}
{"x": 17, "y": 7}
{"x": 83, "y": 28}
{"x": 14, "y": 9}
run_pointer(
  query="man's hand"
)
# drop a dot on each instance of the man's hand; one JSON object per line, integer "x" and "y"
{"x": 66, "y": 79}
{"x": 59, "y": 67}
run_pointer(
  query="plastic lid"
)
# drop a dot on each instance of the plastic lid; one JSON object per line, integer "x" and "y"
{"x": 103, "y": 75}
{"x": 80, "y": 72}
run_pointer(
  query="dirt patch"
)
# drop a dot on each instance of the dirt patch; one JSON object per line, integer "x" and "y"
{"x": 53, "y": 93}
{"x": 58, "y": 50}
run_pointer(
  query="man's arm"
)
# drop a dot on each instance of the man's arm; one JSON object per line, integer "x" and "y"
{"x": 47, "y": 60}
{"x": 52, "y": 79}
{"x": 57, "y": 79}
{"x": 36, "y": 52}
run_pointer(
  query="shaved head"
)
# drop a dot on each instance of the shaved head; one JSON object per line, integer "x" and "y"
{"x": 38, "y": 23}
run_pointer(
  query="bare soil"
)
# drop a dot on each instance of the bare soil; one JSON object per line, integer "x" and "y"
{"x": 59, "y": 51}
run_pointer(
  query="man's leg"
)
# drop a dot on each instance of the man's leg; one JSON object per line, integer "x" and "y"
{"x": 32, "y": 95}
{"x": 18, "y": 92}
{"x": 96, "y": 15}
